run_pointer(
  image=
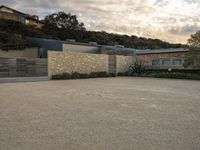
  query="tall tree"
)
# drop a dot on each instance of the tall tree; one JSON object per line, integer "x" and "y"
{"x": 194, "y": 40}
{"x": 63, "y": 21}
{"x": 64, "y": 26}
{"x": 193, "y": 57}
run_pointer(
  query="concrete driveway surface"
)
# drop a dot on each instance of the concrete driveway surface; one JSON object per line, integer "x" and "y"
{"x": 100, "y": 114}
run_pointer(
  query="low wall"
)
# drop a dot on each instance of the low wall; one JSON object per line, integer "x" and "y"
{"x": 60, "y": 62}
{"x": 22, "y": 67}
{"x": 123, "y": 63}
{"x": 28, "y": 53}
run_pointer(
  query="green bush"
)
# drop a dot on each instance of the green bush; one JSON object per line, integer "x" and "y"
{"x": 124, "y": 74}
{"x": 84, "y": 76}
{"x": 104, "y": 74}
{"x": 76, "y": 75}
{"x": 56, "y": 77}
{"x": 112, "y": 75}
{"x": 93, "y": 75}
{"x": 177, "y": 75}
{"x": 66, "y": 75}
{"x": 137, "y": 68}
{"x": 98, "y": 74}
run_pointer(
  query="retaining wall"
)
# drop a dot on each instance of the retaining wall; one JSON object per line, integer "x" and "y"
{"x": 123, "y": 63}
{"x": 60, "y": 62}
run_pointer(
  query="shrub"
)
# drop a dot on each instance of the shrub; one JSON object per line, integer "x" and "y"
{"x": 76, "y": 75}
{"x": 16, "y": 39}
{"x": 93, "y": 75}
{"x": 137, "y": 68}
{"x": 56, "y": 77}
{"x": 98, "y": 74}
{"x": 112, "y": 75}
{"x": 124, "y": 74}
{"x": 84, "y": 75}
{"x": 103, "y": 74}
{"x": 121, "y": 74}
{"x": 66, "y": 75}
{"x": 177, "y": 75}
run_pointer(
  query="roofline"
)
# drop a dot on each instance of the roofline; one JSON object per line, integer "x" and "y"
{"x": 13, "y": 9}
{"x": 79, "y": 43}
{"x": 175, "y": 51}
{"x": 27, "y": 15}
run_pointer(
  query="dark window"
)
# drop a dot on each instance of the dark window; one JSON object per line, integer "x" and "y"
{"x": 166, "y": 62}
{"x": 156, "y": 62}
{"x": 177, "y": 62}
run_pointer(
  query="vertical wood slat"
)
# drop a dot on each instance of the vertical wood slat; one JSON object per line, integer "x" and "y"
{"x": 22, "y": 67}
{"x": 112, "y": 64}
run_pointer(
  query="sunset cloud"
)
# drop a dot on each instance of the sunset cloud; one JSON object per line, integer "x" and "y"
{"x": 170, "y": 20}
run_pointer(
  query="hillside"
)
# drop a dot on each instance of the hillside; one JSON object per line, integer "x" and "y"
{"x": 14, "y": 33}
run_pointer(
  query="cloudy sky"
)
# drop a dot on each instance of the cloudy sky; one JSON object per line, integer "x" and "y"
{"x": 170, "y": 20}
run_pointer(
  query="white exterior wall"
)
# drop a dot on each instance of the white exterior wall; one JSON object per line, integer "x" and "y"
{"x": 80, "y": 48}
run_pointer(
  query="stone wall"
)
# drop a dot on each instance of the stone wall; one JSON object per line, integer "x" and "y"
{"x": 60, "y": 62}
{"x": 28, "y": 53}
{"x": 123, "y": 63}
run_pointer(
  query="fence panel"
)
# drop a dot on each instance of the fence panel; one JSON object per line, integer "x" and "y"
{"x": 22, "y": 67}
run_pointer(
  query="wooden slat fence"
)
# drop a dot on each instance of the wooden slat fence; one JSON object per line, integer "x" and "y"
{"x": 22, "y": 67}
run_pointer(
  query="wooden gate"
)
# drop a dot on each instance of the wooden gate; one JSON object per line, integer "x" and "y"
{"x": 22, "y": 67}
{"x": 112, "y": 64}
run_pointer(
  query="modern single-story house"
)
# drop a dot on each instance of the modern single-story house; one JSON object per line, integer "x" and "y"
{"x": 158, "y": 59}
{"x": 15, "y": 15}
{"x": 67, "y": 46}
{"x": 163, "y": 58}
{"x": 154, "y": 59}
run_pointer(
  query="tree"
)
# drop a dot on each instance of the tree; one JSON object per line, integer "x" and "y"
{"x": 194, "y": 41}
{"x": 63, "y": 21}
{"x": 193, "y": 57}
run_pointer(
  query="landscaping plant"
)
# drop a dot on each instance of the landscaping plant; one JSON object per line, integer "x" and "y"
{"x": 137, "y": 68}
{"x": 76, "y": 75}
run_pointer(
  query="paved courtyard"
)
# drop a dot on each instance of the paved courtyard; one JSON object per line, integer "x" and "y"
{"x": 100, "y": 114}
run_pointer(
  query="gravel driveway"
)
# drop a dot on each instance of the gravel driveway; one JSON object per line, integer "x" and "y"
{"x": 100, "y": 114}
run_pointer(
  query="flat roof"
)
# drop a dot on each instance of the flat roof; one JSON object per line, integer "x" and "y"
{"x": 79, "y": 43}
{"x": 169, "y": 50}
{"x": 146, "y": 51}
{"x": 122, "y": 49}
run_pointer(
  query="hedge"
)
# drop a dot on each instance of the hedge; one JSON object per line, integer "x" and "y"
{"x": 76, "y": 75}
